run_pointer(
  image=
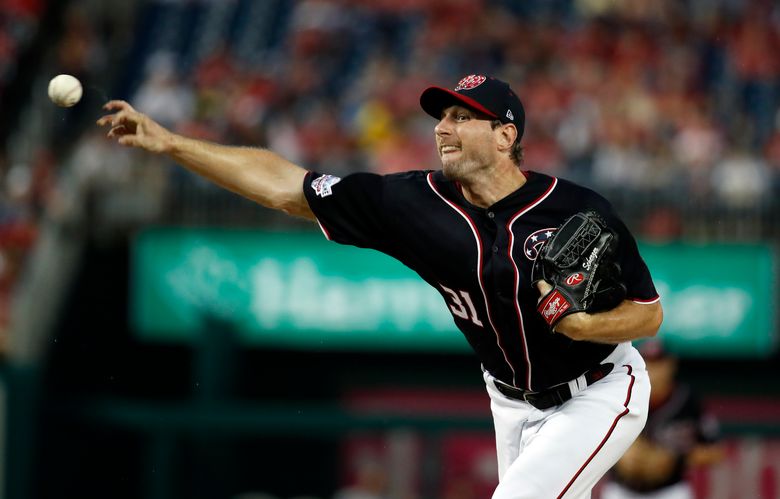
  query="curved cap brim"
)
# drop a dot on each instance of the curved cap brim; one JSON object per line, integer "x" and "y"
{"x": 434, "y": 100}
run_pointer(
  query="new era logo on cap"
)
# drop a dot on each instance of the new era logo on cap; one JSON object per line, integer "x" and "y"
{"x": 485, "y": 94}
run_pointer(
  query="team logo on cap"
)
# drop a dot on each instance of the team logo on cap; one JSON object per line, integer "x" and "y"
{"x": 470, "y": 82}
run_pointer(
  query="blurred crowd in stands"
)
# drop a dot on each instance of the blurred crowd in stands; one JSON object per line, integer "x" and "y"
{"x": 648, "y": 96}
{"x": 670, "y": 98}
{"x": 29, "y": 179}
{"x": 19, "y": 22}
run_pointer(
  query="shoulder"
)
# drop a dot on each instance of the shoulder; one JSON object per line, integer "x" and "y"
{"x": 321, "y": 184}
{"x": 388, "y": 189}
{"x": 586, "y": 196}
{"x": 570, "y": 197}
{"x": 409, "y": 177}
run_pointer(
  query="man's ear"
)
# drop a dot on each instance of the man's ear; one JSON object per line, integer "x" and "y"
{"x": 507, "y": 134}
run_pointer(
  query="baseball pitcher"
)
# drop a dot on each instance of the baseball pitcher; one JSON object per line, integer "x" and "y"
{"x": 540, "y": 274}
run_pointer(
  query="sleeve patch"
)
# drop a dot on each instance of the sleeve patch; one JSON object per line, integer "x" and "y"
{"x": 323, "y": 185}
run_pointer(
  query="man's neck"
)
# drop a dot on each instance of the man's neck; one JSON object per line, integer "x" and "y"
{"x": 486, "y": 190}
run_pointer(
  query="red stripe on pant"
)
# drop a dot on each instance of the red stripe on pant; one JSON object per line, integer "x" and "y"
{"x": 609, "y": 433}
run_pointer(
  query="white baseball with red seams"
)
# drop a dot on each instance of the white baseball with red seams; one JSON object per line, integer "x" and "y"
{"x": 65, "y": 90}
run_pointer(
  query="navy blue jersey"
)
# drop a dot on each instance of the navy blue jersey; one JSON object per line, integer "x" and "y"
{"x": 478, "y": 259}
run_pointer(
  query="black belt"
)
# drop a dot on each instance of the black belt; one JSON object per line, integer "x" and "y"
{"x": 555, "y": 395}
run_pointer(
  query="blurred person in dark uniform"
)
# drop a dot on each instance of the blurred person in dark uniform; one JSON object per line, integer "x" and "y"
{"x": 371, "y": 481}
{"x": 678, "y": 436}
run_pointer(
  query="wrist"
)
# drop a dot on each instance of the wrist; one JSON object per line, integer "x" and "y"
{"x": 575, "y": 325}
{"x": 173, "y": 144}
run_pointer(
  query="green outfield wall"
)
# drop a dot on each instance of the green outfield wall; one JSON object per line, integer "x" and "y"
{"x": 298, "y": 290}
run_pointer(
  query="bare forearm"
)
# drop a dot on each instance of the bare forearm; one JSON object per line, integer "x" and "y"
{"x": 260, "y": 175}
{"x": 257, "y": 174}
{"x": 626, "y": 322}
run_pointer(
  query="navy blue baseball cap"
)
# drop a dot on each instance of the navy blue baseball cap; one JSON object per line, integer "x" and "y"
{"x": 485, "y": 94}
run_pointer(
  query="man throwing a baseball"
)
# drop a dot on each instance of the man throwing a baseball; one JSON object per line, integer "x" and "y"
{"x": 540, "y": 275}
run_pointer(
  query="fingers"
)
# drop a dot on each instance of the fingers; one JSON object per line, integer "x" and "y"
{"x": 131, "y": 128}
{"x": 129, "y": 140}
{"x": 112, "y": 119}
{"x": 117, "y": 104}
{"x": 118, "y": 131}
{"x": 105, "y": 120}
{"x": 120, "y": 118}
{"x": 125, "y": 112}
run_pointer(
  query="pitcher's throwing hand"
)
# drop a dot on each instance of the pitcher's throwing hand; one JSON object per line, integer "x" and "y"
{"x": 131, "y": 128}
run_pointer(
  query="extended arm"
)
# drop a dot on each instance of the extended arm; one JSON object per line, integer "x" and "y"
{"x": 257, "y": 174}
{"x": 628, "y": 321}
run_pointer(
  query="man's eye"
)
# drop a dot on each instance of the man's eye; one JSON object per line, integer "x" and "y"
{"x": 462, "y": 117}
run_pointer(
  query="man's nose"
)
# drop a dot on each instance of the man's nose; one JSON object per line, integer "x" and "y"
{"x": 443, "y": 127}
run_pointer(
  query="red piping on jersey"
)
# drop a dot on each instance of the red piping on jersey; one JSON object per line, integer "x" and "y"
{"x": 609, "y": 433}
{"x": 473, "y": 228}
{"x": 517, "y": 277}
{"x": 646, "y": 302}
{"x": 323, "y": 229}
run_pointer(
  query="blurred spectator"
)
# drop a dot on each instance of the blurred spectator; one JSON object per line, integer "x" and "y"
{"x": 754, "y": 46}
{"x": 772, "y": 156}
{"x": 370, "y": 481}
{"x": 697, "y": 145}
{"x": 23, "y": 191}
{"x": 79, "y": 50}
{"x": 662, "y": 225}
{"x": 19, "y": 21}
{"x": 741, "y": 180}
{"x": 163, "y": 95}
{"x": 254, "y": 495}
{"x": 678, "y": 436}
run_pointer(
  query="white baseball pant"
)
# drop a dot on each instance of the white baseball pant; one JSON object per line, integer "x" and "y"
{"x": 563, "y": 451}
{"x": 676, "y": 491}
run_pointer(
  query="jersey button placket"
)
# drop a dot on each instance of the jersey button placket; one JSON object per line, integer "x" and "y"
{"x": 492, "y": 215}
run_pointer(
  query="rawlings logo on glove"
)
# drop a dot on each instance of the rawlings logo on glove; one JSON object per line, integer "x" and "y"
{"x": 580, "y": 283}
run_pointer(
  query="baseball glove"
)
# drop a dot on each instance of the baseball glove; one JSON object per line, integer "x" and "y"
{"x": 578, "y": 262}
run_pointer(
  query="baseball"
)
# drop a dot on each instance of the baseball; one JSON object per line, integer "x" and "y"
{"x": 65, "y": 90}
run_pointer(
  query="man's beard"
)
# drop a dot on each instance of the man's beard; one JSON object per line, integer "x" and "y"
{"x": 464, "y": 167}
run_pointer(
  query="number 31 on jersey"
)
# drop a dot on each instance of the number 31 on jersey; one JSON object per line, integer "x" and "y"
{"x": 461, "y": 305}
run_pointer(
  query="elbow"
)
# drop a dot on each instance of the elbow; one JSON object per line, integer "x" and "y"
{"x": 297, "y": 207}
{"x": 289, "y": 201}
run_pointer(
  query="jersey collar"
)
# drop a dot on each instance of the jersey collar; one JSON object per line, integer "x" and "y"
{"x": 535, "y": 185}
